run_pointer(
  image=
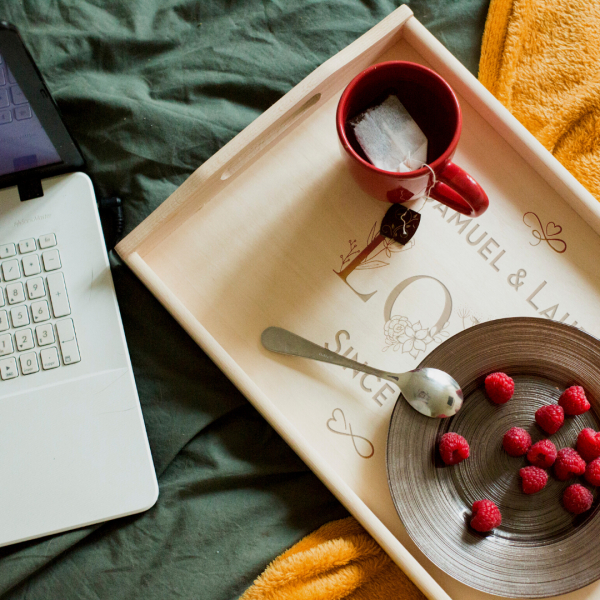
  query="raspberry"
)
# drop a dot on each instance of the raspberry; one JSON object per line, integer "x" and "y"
{"x": 534, "y": 479}
{"x": 588, "y": 444}
{"x": 592, "y": 472}
{"x": 453, "y": 448}
{"x": 516, "y": 441}
{"x": 577, "y": 499}
{"x": 568, "y": 463}
{"x": 499, "y": 387}
{"x": 486, "y": 516}
{"x": 573, "y": 401}
{"x": 542, "y": 454}
{"x": 550, "y": 418}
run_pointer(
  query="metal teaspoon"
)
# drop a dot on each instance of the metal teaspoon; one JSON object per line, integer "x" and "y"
{"x": 429, "y": 391}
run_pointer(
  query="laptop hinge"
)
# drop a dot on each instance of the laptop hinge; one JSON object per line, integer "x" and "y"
{"x": 30, "y": 188}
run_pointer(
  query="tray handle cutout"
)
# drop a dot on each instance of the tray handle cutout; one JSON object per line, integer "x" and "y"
{"x": 267, "y": 139}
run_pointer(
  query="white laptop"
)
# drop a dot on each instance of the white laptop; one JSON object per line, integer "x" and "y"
{"x": 73, "y": 446}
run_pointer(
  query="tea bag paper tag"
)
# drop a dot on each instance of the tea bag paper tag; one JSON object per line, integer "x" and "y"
{"x": 390, "y": 138}
{"x": 400, "y": 223}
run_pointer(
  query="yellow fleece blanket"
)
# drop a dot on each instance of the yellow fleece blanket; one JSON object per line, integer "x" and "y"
{"x": 339, "y": 560}
{"x": 541, "y": 59}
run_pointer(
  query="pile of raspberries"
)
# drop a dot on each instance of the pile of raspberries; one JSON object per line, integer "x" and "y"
{"x": 566, "y": 462}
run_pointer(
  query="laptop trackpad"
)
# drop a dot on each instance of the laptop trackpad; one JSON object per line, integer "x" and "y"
{"x": 68, "y": 456}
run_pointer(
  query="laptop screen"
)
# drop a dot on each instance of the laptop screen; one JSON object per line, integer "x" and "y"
{"x": 34, "y": 140}
{"x": 24, "y": 144}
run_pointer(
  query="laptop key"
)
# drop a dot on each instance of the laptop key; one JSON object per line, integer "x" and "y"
{"x": 18, "y": 97}
{"x": 27, "y": 246}
{"x": 6, "y": 345}
{"x": 40, "y": 311}
{"x": 35, "y": 288}
{"x": 7, "y": 250}
{"x": 19, "y": 315}
{"x": 58, "y": 295}
{"x": 44, "y": 334}
{"x": 23, "y": 112}
{"x": 8, "y": 368}
{"x": 51, "y": 260}
{"x": 31, "y": 265}
{"x": 47, "y": 241}
{"x": 29, "y": 363}
{"x": 10, "y": 270}
{"x": 4, "y": 100}
{"x": 68, "y": 341}
{"x": 24, "y": 340}
{"x": 5, "y": 117}
{"x": 15, "y": 292}
{"x": 4, "y": 325}
{"x": 49, "y": 358}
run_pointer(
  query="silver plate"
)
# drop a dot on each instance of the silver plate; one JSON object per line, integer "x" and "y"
{"x": 540, "y": 550}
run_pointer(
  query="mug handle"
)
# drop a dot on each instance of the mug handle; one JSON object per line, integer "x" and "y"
{"x": 458, "y": 190}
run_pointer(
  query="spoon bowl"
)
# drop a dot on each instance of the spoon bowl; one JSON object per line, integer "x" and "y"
{"x": 429, "y": 391}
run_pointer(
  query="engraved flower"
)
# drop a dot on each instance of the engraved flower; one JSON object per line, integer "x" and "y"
{"x": 395, "y": 332}
{"x": 464, "y": 312}
{"x": 416, "y": 335}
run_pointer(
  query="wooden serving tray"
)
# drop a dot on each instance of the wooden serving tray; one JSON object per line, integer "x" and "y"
{"x": 267, "y": 231}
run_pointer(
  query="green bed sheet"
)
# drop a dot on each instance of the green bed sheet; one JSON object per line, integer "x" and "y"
{"x": 151, "y": 89}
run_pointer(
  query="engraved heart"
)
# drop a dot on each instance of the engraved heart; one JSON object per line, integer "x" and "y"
{"x": 553, "y": 229}
{"x": 335, "y": 422}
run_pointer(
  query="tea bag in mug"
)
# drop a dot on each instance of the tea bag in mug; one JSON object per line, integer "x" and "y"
{"x": 390, "y": 138}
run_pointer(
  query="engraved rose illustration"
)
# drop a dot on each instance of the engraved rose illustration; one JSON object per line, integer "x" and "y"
{"x": 395, "y": 329}
{"x": 415, "y": 342}
{"x": 413, "y": 338}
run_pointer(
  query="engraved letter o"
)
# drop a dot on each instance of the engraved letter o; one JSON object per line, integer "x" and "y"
{"x": 391, "y": 300}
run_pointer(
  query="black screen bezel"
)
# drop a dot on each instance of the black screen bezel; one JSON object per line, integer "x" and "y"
{"x": 31, "y": 82}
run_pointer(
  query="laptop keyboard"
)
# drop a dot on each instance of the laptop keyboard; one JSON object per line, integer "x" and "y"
{"x": 36, "y": 331}
{"x": 13, "y": 104}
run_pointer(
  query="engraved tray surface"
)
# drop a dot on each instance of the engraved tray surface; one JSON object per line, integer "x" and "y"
{"x": 266, "y": 232}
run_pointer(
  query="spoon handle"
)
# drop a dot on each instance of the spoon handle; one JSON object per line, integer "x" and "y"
{"x": 282, "y": 341}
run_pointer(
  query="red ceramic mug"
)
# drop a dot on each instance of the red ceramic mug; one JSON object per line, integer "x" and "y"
{"x": 435, "y": 108}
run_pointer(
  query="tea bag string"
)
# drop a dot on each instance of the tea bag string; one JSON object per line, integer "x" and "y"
{"x": 432, "y": 184}
{"x": 429, "y": 187}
